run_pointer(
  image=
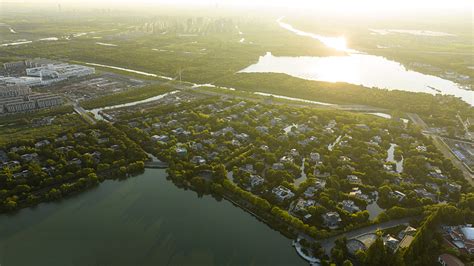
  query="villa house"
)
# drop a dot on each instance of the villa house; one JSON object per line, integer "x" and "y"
{"x": 461, "y": 237}
{"x": 349, "y": 206}
{"x": 356, "y": 192}
{"x": 421, "y": 148}
{"x": 61, "y": 139}
{"x": 282, "y": 193}
{"x": 181, "y": 151}
{"x": 11, "y": 164}
{"x": 42, "y": 143}
{"x": 256, "y": 180}
{"x": 452, "y": 187}
{"x": 160, "y": 138}
{"x": 286, "y": 159}
{"x": 29, "y": 157}
{"x": 199, "y": 160}
{"x": 22, "y": 174}
{"x": 302, "y": 204}
{"x": 449, "y": 260}
{"x": 397, "y": 195}
{"x": 353, "y": 179}
{"x": 423, "y": 193}
{"x": 315, "y": 157}
{"x": 75, "y": 161}
{"x": 391, "y": 242}
{"x": 332, "y": 220}
{"x": 278, "y": 166}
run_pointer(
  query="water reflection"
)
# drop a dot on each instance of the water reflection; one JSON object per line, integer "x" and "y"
{"x": 355, "y": 68}
{"x": 359, "y": 69}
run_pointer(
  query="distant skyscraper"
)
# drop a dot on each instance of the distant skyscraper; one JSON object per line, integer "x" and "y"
{"x": 59, "y": 7}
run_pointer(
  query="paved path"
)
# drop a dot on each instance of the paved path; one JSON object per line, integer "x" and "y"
{"x": 83, "y": 113}
{"x": 328, "y": 243}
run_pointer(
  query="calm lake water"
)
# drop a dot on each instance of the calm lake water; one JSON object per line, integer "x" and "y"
{"x": 355, "y": 68}
{"x": 144, "y": 220}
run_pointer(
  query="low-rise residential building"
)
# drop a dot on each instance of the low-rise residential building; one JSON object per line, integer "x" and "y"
{"x": 160, "y": 138}
{"x": 256, "y": 180}
{"x": 282, "y": 193}
{"x": 75, "y": 161}
{"x": 391, "y": 242}
{"x": 198, "y": 160}
{"x": 405, "y": 242}
{"x": 349, "y": 206}
{"x": 407, "y": 231}
{"x": 42, "y": 143}
{"x": 423, "y": 193}
{"x": 353, "y": 179}
{"x": 452, "y": 187}
{"x": 29, "y": 157}
{"x": 357, "y": 193}
{"x": 303, "y": 204}
{"x": 421, "y": 148}
{"x": 461, "y": 237}
{"x": 315, "y": 157}
{"x": 332, "y": 220}
{"x": 311, "y": 190}
{"x": 181, "y": 151}
{"x": 397, "y": 195}
{"x": 278, "y": 166}
{"x": 449, "y": 260}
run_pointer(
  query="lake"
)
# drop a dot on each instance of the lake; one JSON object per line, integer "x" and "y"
{"x": 144, "y": 220}
{"x": 355, "y": 68}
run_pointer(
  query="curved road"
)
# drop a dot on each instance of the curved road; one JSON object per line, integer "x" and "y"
{"x": 328, "y": 243}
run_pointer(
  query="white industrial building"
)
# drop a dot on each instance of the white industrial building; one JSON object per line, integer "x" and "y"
{"x": 59, "y": 72}
{"x": 41, "y": 72}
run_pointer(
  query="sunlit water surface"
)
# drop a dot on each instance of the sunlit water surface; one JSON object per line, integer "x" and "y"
{"x": 355, "y": 68}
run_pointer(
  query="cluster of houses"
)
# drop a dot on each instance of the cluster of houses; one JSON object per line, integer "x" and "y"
{"x": 393, "y": 242}
{"x": 187, "y": 140}
{"x": 30, "y": 154}
{"x": 460, "y": 237}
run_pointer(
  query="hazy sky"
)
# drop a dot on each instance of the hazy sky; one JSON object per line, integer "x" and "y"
{"x": 335, "y": 5}
{"x": 376, "y": 8}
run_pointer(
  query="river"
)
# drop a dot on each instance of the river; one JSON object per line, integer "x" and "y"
{"x": 356, "y": 68}
{"x": 147, "y": 100}
{"x": 144, "y": 220}
{"x": 391, "y": 158}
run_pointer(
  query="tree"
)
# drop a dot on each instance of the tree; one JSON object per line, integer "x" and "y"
{"x": 10, "y": 204}
{"x": 347, "y": 263}
{"x": 376, "y": 254}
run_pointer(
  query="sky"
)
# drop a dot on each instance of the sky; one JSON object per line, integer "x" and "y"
{"x": 370, "y": 9}
{"x": 333, "y": 5}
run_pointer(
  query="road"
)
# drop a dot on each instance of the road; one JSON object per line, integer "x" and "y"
{"x": 83, "y": 113}
{"x": 329, "y": 243}
{"x": 353, "y": 108}
{"x": 443, "y": 147}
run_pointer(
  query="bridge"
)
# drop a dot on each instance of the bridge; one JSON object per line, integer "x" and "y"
{"x": 156, "y": 165}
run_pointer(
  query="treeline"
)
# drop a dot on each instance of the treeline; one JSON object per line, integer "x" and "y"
{"x": 428, "y": 242}
{"x": 74, "y": 161}
{"x": 440, "y": 109}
